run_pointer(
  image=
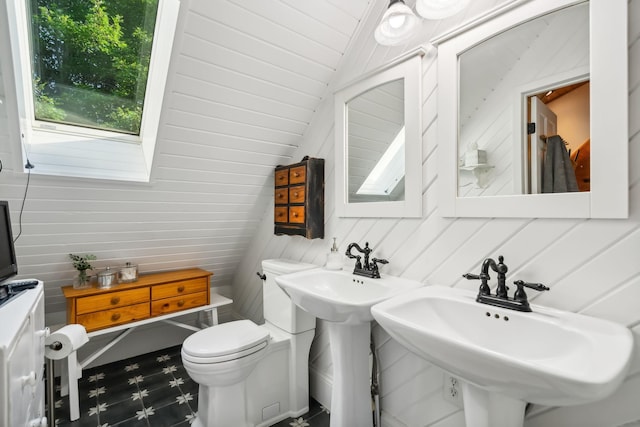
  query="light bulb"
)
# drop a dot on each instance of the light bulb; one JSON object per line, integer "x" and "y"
{"x": 397, "y": 21}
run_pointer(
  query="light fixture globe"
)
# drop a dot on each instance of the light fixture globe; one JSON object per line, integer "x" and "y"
{"x": 439, "y": 9}
{"x": 397, "y": 25}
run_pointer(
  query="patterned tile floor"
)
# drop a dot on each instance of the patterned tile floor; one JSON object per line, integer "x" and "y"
{"x": 152, "y": 390}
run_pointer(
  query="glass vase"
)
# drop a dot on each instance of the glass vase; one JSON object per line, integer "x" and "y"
{"x": 82, "y": 281}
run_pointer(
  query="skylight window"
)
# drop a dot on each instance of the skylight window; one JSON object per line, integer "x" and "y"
{"x": 389, "y": 170}
{"x": 90, "y": 77}
{"x": 90, "y": 61}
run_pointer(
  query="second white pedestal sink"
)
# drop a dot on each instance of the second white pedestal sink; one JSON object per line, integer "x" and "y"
{"x": 345, "y": 301}
{"x": 505, "y": 357}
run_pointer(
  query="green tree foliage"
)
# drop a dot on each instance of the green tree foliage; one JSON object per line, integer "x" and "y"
{"x": 91, "y": 60}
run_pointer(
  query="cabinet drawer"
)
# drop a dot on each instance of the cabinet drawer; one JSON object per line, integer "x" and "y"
{"x": 111, "y": 300}
{"x": 282, "y": 177}
{"x": 296, "y": 194}
{"x": 169, "y": 305}
{"x": 282, "y": 196}
{"x": 179, "y": 288}
{"x": 296, "y": 214}
{"x": 117, "y": 316}
{"x": 280, "y": 214}
{"x": 297, "y": 175}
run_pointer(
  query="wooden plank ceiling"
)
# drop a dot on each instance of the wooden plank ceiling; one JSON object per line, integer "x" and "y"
{"x": 246, "y": 79}
{"x": 248, "y": 75}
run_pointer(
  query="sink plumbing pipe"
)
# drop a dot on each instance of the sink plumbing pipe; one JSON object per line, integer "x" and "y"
{"x": 375, "y": 392}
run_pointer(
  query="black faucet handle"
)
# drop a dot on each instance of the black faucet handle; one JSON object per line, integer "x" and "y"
{"x": 535, "y": 286}
{"x": 379, "y": 261}
{"x": 484, "y": 278}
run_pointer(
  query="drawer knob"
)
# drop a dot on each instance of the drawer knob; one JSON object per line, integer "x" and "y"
{"x": 115, "y": 317}
{"x": 180, "y": 288}
{"x": 295, "y": 194}
{"x": 115, "y": 300}
{"x": 296, "y": 174}
{"x": 180, "y": 303}
{"x": 280, "y": 195}
{"x": 295, "y": 214}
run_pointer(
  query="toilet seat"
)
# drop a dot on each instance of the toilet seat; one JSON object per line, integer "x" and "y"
{"x": 225, "y": 342}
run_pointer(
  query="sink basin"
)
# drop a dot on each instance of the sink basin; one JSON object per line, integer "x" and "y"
{"x": 548, "y": 356}
{"x": 345, "y": 301}
{"x": 340, "y": 296}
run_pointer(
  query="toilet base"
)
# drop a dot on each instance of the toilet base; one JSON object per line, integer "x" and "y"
{"x": 231, "y": 398}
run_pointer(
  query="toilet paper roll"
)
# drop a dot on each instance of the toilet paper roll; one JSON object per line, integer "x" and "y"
{"x": 62, "y": 342}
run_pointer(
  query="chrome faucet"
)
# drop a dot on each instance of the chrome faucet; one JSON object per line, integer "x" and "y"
{"x": 366, "y": 268}
{"x": 519, "y": 301}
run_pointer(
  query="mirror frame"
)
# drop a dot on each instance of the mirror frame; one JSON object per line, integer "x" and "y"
{"x": 609, "y": 195}
{"x": 409, "y": 68}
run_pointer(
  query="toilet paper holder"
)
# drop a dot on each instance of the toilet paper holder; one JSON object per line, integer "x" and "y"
{"x": 56, "y": 346}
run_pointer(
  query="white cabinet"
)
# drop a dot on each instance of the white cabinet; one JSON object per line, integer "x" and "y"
{"x": 22, "y": 334}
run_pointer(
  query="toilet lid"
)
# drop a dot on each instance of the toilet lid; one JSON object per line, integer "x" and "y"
{"x": 225, "y": 342}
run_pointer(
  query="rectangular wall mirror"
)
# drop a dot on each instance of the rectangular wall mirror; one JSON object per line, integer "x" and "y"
{"x": 378, "y": 142}
{"x": 532, "y": 111}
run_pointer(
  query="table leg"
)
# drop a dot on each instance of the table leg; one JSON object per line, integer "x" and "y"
{"x": 75, "y": 373}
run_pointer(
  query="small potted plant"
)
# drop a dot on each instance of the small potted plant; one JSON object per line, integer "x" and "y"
{"x": 82, "y": 264}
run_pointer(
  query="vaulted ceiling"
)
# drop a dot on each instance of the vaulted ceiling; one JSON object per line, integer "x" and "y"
{"x": 245, "y": 81}
{"x": 248, "y": 75}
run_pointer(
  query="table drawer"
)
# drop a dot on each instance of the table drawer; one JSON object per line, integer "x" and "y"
{"x": 282, "y": 177}
{"x": 281, "y": 214}
{"x": 113, "y": 317}
{"x": 296, "y": 194}
{"x": 297, "y": 175}
{"x": 179, "y": 288}
{"x": 111, "y": 300}
{"x": 169, "y": 305}
{"x": 282, "y": 196}
{"x": 296, "y": 214}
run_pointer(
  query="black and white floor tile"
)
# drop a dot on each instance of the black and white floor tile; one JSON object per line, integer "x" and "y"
{"x": 152, "y": 390}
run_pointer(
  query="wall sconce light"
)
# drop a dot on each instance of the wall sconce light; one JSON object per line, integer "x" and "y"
{"x": 399, "y": 21}
{"x": 397, "y": 24}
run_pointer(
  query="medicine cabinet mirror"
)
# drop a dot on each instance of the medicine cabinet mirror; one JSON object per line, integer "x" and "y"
{"x": 509, "y": 149}
{"x": 378, "y": 142}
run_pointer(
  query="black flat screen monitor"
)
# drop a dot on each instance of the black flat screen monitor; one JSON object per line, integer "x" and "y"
{"x": 8, "y": 264}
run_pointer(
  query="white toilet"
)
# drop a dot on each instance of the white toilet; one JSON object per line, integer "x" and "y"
{"x": 254, "y": 375}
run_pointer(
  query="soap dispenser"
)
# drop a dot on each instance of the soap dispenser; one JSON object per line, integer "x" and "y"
{"x": 334, "y": 259}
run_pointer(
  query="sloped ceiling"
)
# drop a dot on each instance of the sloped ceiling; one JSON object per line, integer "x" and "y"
{"x": 246, "y": 78}
{"x": 248, "y": 75}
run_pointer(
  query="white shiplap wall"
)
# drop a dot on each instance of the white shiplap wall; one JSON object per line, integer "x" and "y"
{"x": 244, "y": 82}
{"x": 592, "y": 266}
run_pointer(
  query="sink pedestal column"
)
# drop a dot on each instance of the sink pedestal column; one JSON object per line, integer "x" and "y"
{"x": 351, "y": 392}
{"x": 483, "y": 408}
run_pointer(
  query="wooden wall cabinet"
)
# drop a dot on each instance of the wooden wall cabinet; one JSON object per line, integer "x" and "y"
{"x": 152, "y": 295}
{"x": 299, "y": 199}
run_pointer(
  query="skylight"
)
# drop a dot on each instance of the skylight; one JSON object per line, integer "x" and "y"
{"x": 389, "y": 170}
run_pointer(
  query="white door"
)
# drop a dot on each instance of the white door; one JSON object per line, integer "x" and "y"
{"x": 546, "y": 124}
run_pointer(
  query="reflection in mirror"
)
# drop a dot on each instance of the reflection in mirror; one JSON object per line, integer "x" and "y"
{"x": 558, "y": 134}
{"x": 375, "y": 129}
{"x": 523, "y": 116}
{"x": 378, "y": 144}
{"x": 503, "y": 140}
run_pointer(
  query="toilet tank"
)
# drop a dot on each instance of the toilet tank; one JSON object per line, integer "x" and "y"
{"x": 278, "y": 308}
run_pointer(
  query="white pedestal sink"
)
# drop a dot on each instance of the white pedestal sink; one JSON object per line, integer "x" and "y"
{"x": 345, "y": 301}
{"x": 506, "y": 358}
